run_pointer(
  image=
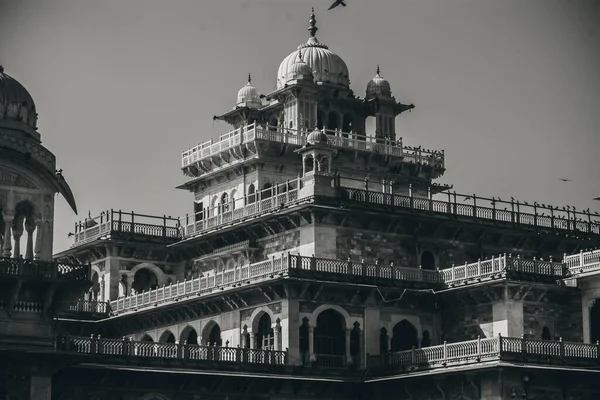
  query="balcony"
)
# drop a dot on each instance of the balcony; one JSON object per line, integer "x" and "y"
{"x": 336, "y": 138}
{"x": 50, "y": 270}
{"x": 287, "y": 263}
{"x": 472, "y": 352}
{"x": 515, "y": 213}
{"x": 112, "y": 222}
{"x": 583, "y": 263}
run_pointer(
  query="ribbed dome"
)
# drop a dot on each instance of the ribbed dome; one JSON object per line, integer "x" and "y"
{"x": 316, "y": 136}
{"x": 249, "y": 96}
{"x": 299, "y": 70}
{"x": 16, "y": 104}
{"x": 326, "y": 66}
{"x": 378, "y": 86}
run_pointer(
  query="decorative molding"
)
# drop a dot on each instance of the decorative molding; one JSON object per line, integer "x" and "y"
{"x": 12, "y": 179}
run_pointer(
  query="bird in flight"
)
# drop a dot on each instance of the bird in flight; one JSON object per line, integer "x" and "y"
{"x": 596, "y": 198}
{"x": 337, "y": 3}
{"x": 566, "y": 180}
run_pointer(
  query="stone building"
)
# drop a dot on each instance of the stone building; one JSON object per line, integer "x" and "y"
{"x": 321, "y": 260}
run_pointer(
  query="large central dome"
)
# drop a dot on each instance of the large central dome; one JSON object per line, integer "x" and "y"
{"x": 327, "y": 67}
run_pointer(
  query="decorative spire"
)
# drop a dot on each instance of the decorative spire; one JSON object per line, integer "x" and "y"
{"x": 1, "y": 69}
{"x": 249, "y": 79}
{"x": 377, "y": 69}
{"x": 312, "y": 27}
{"x": 300, "y": 55}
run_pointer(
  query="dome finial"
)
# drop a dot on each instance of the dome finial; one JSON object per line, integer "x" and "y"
{"x": 300, "y": 54}
{"x": 312, "y": 28}
{"x": 1, "y": 69}
{"x": 377, "y": 69}
{"x": 249, "y": 78}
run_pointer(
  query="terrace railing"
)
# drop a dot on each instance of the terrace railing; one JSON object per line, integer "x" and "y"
{"x": 230, "y": 278}
{"x": 556, "y": 219}
{"x": 183, "y": 351}
{"x": 583, "y": 262}
{"x": 336, "y": 138}
{"x": 44, "y": 269}
{"x": 88, "y": 306}
{"x": 125, "y": 222}
{"x": 495, "y": 348}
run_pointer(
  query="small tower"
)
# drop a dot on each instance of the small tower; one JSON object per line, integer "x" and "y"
{"x": 379, "y": 94}
{"x": 317, "y": 172}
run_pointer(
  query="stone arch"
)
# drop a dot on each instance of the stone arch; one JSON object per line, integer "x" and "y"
{"x": 167, "y": 337}
{"x": 214, "y": 206}
{"x": 404, "y": 336}
{"x": 251, "y": 197}
{"x": 158, "y": 273}
{"x": 323, "y": 163}
{"x": 308, "y": 164}
{"x": 211, "y": 333}
{"x": 312, "y": 319}
{"x": 147, "y": 338}
{"x": 189, "y": 335}
{"x": 257, "y": 315}
{"x": 330, "y": 333}
{"x": 427, "y": 260}
{"x": 233, "y": 198}
{"x": 154, "y": 396}
{"x": 546, "y": 335}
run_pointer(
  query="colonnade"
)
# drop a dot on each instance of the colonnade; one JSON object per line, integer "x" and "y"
{"x": 14, "y": 229}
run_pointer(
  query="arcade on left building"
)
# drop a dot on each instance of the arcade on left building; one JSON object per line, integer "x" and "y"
{"x": 33, "y": 287}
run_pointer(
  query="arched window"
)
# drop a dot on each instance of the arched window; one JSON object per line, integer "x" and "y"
{"x": 404, "y": 336}
{"x": 224, "y": 202}
{"x": 189, "y": 335}
{"x": 265, "y": 337}
{"x": 213, "y": 335}
{"x": 251, "y": 194}
{"x": 267, "y": 191}
{"x": 143, "y": 280}
{"x": 329, "y": 334}
{"x": 147, "y": 338}
{"x": 546, "y": 333}
{"x": 308, "y": 164}
{"x": 233, "y": 198}
{"x": 427, "y": 260}
{"x": 214, "y": 209}
{"x": 347, "y": 123}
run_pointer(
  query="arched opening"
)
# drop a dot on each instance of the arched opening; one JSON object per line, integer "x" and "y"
{"x": 404, "y": 336}
{"x": 370, "y": 127}
{"x": 332, "y": 121}
{"x": 426, "y": 340}
{"x": 267, "y": 191}
{"x": 383, "y": 341}
{"x": 224, "y": 202}
{"x": 323, "y": 164}
{"x": 329, "y": 334}
{"x": 355, "y": 343}
{"x": 146, "y": 338}
{"x": 95, "y": 288}
{"x": 213, "y": 334}
{"x": 167, "y": 337}
{"x": 265, "y": 337}
{"x": 595, "y": 322}
{"x": 251, "y": 194}
{"x": 233, "y": 198}
{"x": 189, "y": 335}
{"x": 546, "y": 333}
{"x": 273, "y": 123}
{"x": 23, "y": 227}
{"x": 303, "y": 341}
{"x": 214, "y": 206}
{"x": 308, "y": 164}
{"x": 144, "y": 279}
{"x": 347, "y": 123}
{"x": 427, "y": 260}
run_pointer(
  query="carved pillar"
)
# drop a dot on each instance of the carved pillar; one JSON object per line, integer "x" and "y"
{"x": 101, "y": 288}
{"x": 7, "y": 245}
{"x": 311, "y": 343}
{"x": 277, "y": 334}
{"x": 348, "y": 353}
{"x": 17, "y": 233}
{"x": 30, "y": 228}
{"x": 38, "y": 240}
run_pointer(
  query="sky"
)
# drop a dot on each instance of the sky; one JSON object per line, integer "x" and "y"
{"x": 509, "y": 89}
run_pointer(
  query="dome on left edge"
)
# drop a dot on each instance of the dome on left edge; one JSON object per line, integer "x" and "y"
{"x": 16, "y": 104}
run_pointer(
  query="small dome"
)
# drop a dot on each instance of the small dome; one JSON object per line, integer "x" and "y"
{"x": 299, "y": 70}
{"x": 326, "y": 66}
{"x": 316, "y": 136}
{"x": 378, "y": 86}
{"x": 16, "y": 104}
{"x": 249, "y": 96}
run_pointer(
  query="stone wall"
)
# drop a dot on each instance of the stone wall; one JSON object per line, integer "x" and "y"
{"x": 466, "y": 322}
{"x": 372, "y": 246}
{"x": 563, "y": 320}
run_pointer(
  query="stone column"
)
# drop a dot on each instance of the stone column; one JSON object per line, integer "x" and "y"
{"x": 38, "y": 240}
{"x": 311, "y": 343}
{"x": 30, "y": 228}
{"x": 7, "y": 245}
{"x": 348, "y": 353}
{"x": 17, "y": 233}
{"x": 277, "y": 334}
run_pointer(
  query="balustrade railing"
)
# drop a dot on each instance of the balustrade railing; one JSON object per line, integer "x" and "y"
{"x": 583, "y": 262}
{"x": 336, "y": 138}
{"x": 556, "y": 219}
{"x": 182, "y": 351}
{"x": 495, "y": 348}
{"x": 230, "y": 278}
{"x": 44, "y": 269}
{"x": 125, "y": 222}
{"x": 88, "y": 306}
